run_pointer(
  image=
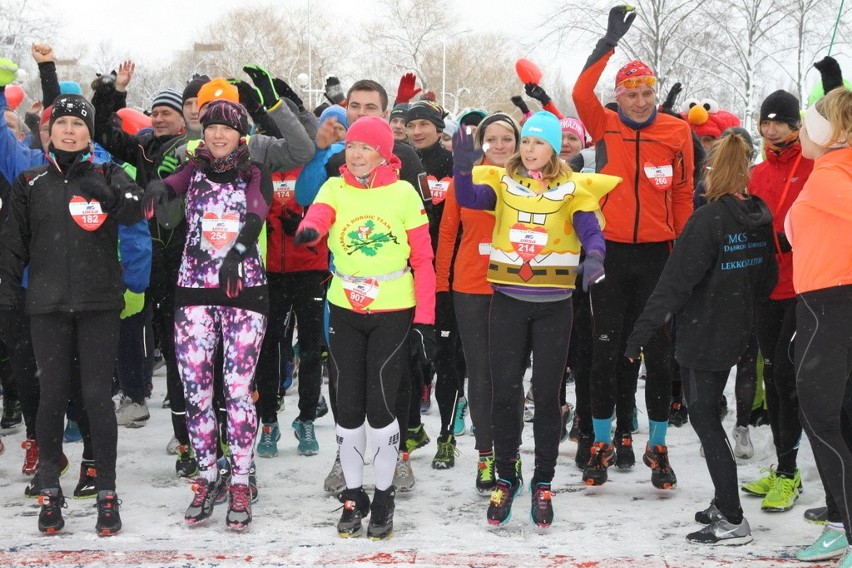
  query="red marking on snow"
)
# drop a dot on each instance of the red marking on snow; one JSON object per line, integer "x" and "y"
{"x": 326, "y": 557}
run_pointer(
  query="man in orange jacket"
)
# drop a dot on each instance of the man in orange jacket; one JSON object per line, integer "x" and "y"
{"x": 653, "y": 154}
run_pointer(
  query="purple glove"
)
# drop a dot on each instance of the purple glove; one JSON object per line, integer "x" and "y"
{"x": 465, "y": 152}
{"x": 591, "y": 269}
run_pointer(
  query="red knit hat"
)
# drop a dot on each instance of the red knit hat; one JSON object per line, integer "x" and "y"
{"x": 373, "y": 131}
{"x": 632, "y": 70}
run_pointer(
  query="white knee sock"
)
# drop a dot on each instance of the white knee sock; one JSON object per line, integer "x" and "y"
{"x": 352, "y": 445}
{"x": 385, "y": 442}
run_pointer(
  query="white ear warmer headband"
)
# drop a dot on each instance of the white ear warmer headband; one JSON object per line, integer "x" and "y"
{"x": 819, "y": 129}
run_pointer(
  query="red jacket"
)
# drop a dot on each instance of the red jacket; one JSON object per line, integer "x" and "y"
{"x": 768, "y": 182}
{"x": 282, "y": 254}
{"x": 654, "y": 201}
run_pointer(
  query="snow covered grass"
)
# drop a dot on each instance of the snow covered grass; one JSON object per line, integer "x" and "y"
{"x": 440, "y": 523}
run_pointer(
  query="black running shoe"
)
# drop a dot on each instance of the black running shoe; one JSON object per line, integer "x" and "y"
{"x": 50, "y": 519}
{"x": 601, "y": 457}
{"x": 678, "y": 414}
{"x": 12, "y": 417}
{"x": 86, "y": 486}
{"x": 356, "y": 506}
{"x": 381, "y": 517}
{"x": 584, "y": 450}
{"x": 817, "y": 515}
{"x": 500, "y": 505}
{"x": 186, "y": 464}
{"x": 541, "y": 513}
{"x": 109, "y": 521}
{"x": 709, "y": 515}
{"x": 662, "y": 474}
{"x": 624, "y": 457}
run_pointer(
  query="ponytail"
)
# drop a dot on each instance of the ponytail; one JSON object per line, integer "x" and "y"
{"x": 729, "y": 166}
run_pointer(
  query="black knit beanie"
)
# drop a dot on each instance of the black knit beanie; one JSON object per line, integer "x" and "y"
{"x": 781, "y": 106}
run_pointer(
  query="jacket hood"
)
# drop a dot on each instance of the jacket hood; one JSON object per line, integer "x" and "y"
{"x": 752, "y": 212}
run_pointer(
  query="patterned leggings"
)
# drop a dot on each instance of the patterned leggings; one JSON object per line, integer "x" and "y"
{"x": 197, "y": 332}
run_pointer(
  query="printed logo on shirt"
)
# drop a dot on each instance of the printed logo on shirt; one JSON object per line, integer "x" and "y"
{"x": 366, "y": 235}
{"x": 528, "y": 242}
{"x": 219, "y": 231}
{"x": 660, "y": 176}
{"x": 87, "y": 214}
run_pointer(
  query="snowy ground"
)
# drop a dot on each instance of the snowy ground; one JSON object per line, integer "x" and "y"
{"x": 441, "y": 523}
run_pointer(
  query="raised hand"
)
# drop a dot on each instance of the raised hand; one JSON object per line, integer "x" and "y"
{"x": 42, "y": 53}
{"x": 620, "y": 20}
{"x": 465, "y": 152}
{"x": 406, "y": 91}
{"x": 535, "y": 91}
{"x": 124, "y": 75}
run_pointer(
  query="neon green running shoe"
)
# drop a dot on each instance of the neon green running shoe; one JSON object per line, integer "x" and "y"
{"x": 417, "y": 438}
{"x": 762, "y": 486}
{"x": 830, "y": 544}
{"x": 445, "y": 458}
{"x": 784, "y": 493}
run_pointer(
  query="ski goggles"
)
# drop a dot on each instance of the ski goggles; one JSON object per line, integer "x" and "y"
{"x": 635, "y": 82}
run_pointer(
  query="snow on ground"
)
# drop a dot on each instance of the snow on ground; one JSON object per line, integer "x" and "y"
{"x": 441, "y": 523}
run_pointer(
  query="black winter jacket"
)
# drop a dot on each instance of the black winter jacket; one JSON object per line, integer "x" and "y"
{"x": 71, "y": 250}
{"x": 721, "y": 265}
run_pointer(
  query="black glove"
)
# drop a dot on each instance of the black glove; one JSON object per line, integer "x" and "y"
{"x": 669, "y": 103}
{"x": 422, "y": 341}
{"x": 591, "y": 269}
{"x": 249, "y": 97}
{"x": 334, "y": 91}
{"x": 156, "y": 193}
{"x": 618, "y": 24}
{"x": 231, "y": 273}
{"x": 263, "y": 81}
{"x": 290, "y": 222}
{"x": 465, "y": 152}
{"x": 518, "y": 101}
{"x": 536, "y": 92}
{"x": 829, "y": 70}
{"x": 306, "y": 236}
{"x": 96, "y": 187}
{"x": 286, "y": 91}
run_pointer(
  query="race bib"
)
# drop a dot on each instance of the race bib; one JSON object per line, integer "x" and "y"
{"x": 485, "y": 248}
{"x": 438, "y": 189}
{"x": 87, "y": 214}
{"x": 284, "y": 190}
{"x": 361, "y": 294}
{"x": 528, "y": 242}
{"x": 219, "y": 231}
{"x": 660, "y": 176}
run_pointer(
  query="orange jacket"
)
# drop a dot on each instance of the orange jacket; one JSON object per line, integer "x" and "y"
{"x": 654, "y": 201}
{"x": 819, "y": 225}
{"x": 470, "y": 265}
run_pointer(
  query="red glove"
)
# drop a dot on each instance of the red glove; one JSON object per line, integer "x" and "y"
{"x": 406, "y": 91}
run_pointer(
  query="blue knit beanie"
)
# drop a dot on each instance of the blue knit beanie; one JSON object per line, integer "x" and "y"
{"x": 337, "y": 112}
{"x": 546, "y": 126}
{"x": 70, "y": 88}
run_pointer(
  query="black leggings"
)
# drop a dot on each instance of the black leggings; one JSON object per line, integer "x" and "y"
{"x": 702, "y": 390}
{"x": 472, "y": 317}
{"x": 449, "y": 369}
{"x": 368, "y": 352}
{"x": 580, "y": 360}
{"x": 302, "y": 294}
{"x": 746, "y": 382}
{"x": 632, "y": 271}
{"x": 163, "y": 304}
{"x": 57, "y": 337}
{"x": 546, "y": 327}
{"x": 132, "y": 355}
{"x": 776, "y": 323}
{"x": 15, "y": 333}
{"x": 823, "y": 365}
